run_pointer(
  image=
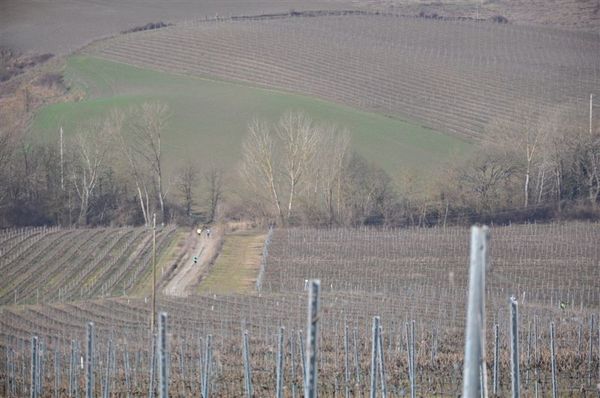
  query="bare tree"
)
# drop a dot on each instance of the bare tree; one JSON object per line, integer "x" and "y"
{"x": 524, "y": 135}
{"x": 485, "y": 177}
{"x": 187, "y": 179}
{"x": 299, "y": 139}
{"x": 147, "y": 123}
{"x": 331, "y": 158}
{"x": 258, "y": 167}
{"x": 91, "y": 148}
{"x": 214, "y": 183}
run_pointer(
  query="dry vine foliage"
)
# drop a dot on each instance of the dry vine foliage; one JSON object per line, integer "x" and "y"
{"x": 400, "y": 275}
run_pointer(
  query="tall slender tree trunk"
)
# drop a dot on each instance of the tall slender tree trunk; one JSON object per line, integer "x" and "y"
{"x": 527, "y": 176}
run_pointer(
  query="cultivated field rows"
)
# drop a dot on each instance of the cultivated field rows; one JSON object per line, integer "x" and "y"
{"x": 540, "y": 264}
{"x": 403, "y": 276}
{"x": 66, "y": 264}
{"x": 453, "y": 75}
{"x": 123, "y": 325}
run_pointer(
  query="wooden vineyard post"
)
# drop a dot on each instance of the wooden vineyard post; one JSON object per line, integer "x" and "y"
{"x": 312, "y": 333}
{"x": 514, "y": 346}
{"x": 163, "y": 354}
{"x": 89, "y": 361}
{"x": 474, "y": 373}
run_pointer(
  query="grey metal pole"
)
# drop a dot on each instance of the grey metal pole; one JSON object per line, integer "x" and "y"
{"x": 163, "y": 353}
{"x": 106, "y": 389}
{"x": 89, "y": 362}
{"x": 514, "y": 347}
{"x": 279, "y": 375}
{"x": 591, "y": 350}
{"x": 356, "y": 360}
{"x": 312, "y": 332}
{"x": 127, "y": 370}
{"x": 346, "y": 369}
{"x": 374, "y": 342}
{"x": 553, "y": 362}
{"x": 152, "y": 319}
{"x": 207, "y": 367}
{"x": 381, "y": 363}
{"x": 247, "y": 371}
{"x": 413, "y": 388}
{"x": 496, "y": 359}
{"x": 302, "y": 359}
{"x": 475, "y": 328}
{"x": 72, "y": 369}
{"x": 34, "y": 364}
{"x": 293, "y": 362}
{"x": 152, "y": 366}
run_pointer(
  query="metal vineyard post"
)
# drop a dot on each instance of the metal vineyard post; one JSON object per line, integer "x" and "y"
{"x": 475, "y": 329}
{"x": 89, "y": 361}
{"x": 163, "y": 354}
{"x": 374, "y": 343}
{"x": 279, "y": 375}
{"x": 514, "y": 347}
{"x": 312, "y": 333}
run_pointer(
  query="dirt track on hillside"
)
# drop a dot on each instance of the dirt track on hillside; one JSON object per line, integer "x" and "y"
{"x": 186, "y": 273}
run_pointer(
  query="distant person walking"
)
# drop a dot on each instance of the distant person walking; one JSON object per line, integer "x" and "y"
{"x": 208, "y": 232}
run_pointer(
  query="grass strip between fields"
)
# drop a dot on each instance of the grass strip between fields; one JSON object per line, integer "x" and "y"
{"x": 237, "y": 265}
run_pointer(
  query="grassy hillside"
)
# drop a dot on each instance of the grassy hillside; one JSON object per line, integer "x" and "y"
{"x": 210, "y": 117}
{"x": 453, "y": 76}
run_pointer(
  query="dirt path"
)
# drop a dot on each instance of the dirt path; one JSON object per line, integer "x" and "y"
{"x": 187, "y": 273}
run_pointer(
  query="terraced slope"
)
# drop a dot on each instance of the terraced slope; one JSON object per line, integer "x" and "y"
{"x": 452, "y": 75}
{"x": 42, "y": 265}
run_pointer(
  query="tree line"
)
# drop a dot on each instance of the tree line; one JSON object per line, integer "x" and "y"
{"x": 544, "y": 165}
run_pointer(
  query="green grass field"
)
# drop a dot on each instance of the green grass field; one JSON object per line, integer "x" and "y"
{"x": 210, "y": 117}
